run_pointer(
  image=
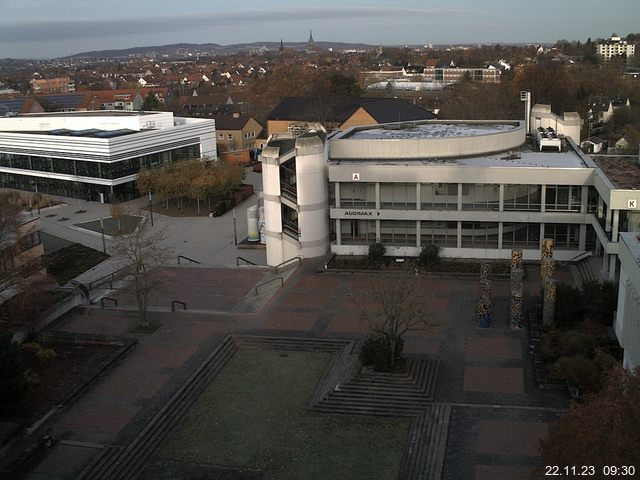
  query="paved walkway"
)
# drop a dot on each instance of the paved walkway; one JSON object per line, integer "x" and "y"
{"x": 498, "y": 414}
{"x": 208, "y": 240}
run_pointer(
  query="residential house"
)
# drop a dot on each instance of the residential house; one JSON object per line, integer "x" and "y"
{"x": 236, "y": 136}
{"x": 340, "y": 113}
{"x": 43, "y": 86}
{"x": 593, "y": 145}
{"x": 127, "y": 100}
{"x": 20, "y": 105}
{"x": 601, "y": 109}
{"x": 71, "y": 102}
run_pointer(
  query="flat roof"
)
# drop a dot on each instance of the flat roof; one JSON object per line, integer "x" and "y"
{"x": 524, "y": 157}
{"x": 622, "y": 171}
{"x": 431, "y": 130}
{"x": 90, "y": 113}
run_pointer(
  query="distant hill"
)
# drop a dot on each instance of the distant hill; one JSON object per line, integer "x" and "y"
{"x": 207, "y": 48}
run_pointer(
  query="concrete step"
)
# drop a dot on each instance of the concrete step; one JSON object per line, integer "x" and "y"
{"x": 425, "y": 455}
{"x": 125, "y": 463}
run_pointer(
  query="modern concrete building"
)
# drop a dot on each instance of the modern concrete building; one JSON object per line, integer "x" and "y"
{"x": 96, "y": 155}
{"x": 627, "y": 322}
{"x": 478, "y": 189}
{"x": 615, "y": 47}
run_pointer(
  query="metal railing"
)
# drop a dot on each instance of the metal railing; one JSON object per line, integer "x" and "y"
{"x": 177, "y": 302}
{"x": 286, "y": 264}
{"x": 191, "y": 260}
{"x": 267, "y": 283}
{"x": 581, "y": 256}
{"x": 110, "y": 278}
{"x": 115, "y": 302}
{"x": 248, "y": 262}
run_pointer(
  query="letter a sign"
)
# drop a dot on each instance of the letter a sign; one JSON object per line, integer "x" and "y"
{"x": 355, "y": 177}
{"x": 632, "y": 204}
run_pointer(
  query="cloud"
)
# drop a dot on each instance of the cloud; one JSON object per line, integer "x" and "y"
{"x": 34, "y": 31}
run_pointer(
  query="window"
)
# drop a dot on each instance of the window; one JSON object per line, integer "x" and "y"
{"x": 221, "y": 136}
{"x": 439, "y": 196}
{"x": 480, "y": 196}
{"x": 229, "y": 136}
{"x": 479, "y": 235}
{"x": 357, "y": 195}
{"x": 563, "y": 198}
{"x": 398, "y": 232}
{"x": 357, "y": 232}
{"x": 565, "y": 236}
{"x": 443, "y": 234}
{"x": 400, "y": 196}
{"x": 522, "y": 198}
{"x": 521, "y": 235}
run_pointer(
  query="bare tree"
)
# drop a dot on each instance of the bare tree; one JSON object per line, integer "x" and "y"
{"x": 143, "y": 250}
{"x": 396, "y": 303}
{"x": 9, "y": 223}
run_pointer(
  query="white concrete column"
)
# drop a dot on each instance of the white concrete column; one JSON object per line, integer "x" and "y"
{"x": 613, "y": 259}
{"x": 418, "y": 202}
{"x": 616, "y": 223}
{"x": 336, "y": 192}
{"x": 582, "y": 237}
{"x": 378, "y": 236}
{"x": 543, "y": 200}
{"x": 338, "y": 232}
{"x": 459, "y": 239}
{"x": 418, "y": 239}
{"x": 501, "y": 200}
{"x": 377, "y": 196}
{"x": 600, "y": 207}
{"x": 541, "y": 236}
{"x": 605, "y": 262}
{"x": 584, "y": 196}
{"x": 607, "y": 226}
{"x": 500, "y": 230}
{"x": 459, "y": 197}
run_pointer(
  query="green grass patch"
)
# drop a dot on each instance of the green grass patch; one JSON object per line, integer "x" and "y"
{"x": 69, "y": 262}
{"x": 253, "y": 415}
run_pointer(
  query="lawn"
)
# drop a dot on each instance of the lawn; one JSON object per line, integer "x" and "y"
{"x": 253, "y": 415}
{"x": 68, "y": 262}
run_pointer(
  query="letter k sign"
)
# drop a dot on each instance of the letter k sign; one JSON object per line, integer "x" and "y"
{"x": 632, "y": 204}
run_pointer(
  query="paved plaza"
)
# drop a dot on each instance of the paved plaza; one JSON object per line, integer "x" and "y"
{"x": 498, "y": 415}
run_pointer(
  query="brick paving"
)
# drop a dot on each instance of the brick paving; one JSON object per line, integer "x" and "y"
{"x": 479, "y": 369}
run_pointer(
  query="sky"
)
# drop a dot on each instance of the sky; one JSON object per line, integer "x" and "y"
{"x": 48, "y": 28}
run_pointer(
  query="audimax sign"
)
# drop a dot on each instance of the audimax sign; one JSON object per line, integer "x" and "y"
{"x": 361, "y": 213}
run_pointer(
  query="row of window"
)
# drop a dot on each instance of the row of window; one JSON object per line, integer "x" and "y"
{"x": 246, "y": 135}
{"x": 82, "y": 168}
{"x": 444, "y": 196}
{"x": 445, "y": 234}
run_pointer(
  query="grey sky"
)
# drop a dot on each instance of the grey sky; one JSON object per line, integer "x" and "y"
{"x": 42, "y": 29}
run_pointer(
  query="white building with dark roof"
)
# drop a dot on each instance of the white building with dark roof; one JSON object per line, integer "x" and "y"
{"x": 96, "y": 155}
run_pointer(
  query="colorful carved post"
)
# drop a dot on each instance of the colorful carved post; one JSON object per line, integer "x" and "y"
{"x": 484, "y": 305}
{"x": 516, "y": 260}
{"x": 546, "y": 259}
{"x": 517, "y": 293}
{"x": 517, "y": 276}
{"x": 549, "y": 302}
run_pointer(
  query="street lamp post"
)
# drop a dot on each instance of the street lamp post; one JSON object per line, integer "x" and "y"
{"x": 151, "y": 209}
{"x": 104, "y": 243}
